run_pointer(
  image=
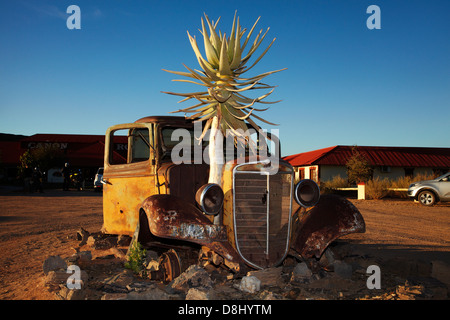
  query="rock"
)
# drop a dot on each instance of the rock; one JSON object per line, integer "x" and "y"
{"x": 302, "y": 270}
{"x": 201, "y": 294}
{"x": 269, "y": 295}
{"x": 250, "y": 284}
{"x": 114, "y": 296}
{"x": 152, "y": 255}
{"x": 118, "y": 283}
{"x": 268, "y": 277}
{"x": 327, "y": 259}
{"x": 152, "y": 293}
{"x": 408, "y": 292}
{"x": 85, "y": 256}
{"x": 193, "y": 277}
{"x": 140, "y": 286}
{"x": 54, "y": 263}
{"x": 343, "y": 269}
{"x": 71, "y": 294}
{"x": 82, "y": 235}
{"x": 81, "y": 257}
{"x": 73, "y": 259}
{"x": 99, "y": 242}
{"x": 118, "y": 253}
{"x": 301, "y": 274}
{"x": 91, "y": 241}
{"x": 55, "y": 280}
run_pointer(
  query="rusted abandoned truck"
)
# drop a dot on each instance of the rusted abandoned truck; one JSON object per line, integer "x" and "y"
{"x": 253, "y": 220}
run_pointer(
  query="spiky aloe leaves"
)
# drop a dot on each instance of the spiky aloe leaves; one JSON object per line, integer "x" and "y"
{"x": 221, "y": 75}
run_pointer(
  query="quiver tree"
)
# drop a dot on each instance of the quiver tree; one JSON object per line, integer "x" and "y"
{"x": 222, "y": 103}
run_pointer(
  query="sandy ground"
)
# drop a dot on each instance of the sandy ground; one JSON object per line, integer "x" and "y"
{"x": 36, "y": 226}
{"x": 403, "y": 228}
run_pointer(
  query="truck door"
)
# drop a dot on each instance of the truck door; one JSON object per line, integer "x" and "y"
{"x": 129, "y": 175}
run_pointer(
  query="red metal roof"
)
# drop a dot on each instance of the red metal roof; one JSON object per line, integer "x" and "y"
{"x": 377, "y": 156}
{"x": 78, "y": 138}
{"x": 307, "y": 158}
{"x": 79, "y": 150}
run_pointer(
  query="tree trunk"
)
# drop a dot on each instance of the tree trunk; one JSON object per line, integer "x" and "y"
{"x": 216, "y": 157}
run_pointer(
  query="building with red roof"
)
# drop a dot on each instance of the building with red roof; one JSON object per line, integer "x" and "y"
{"x": 86, "y": 152}
{"x": 82, "y": 152}
{"x": 387, "y": 162}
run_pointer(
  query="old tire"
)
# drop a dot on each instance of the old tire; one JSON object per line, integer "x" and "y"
{"x": 427, "y": 198}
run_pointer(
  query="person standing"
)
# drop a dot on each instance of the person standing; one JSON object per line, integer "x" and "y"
{"x": 37, "y": 180}
{"x": 66, "y": 176}
{"x": 28, "y": 175}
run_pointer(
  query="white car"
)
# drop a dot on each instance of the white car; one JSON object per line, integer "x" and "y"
{"x": 98, "y": 180}
{"x": 429, "y": 192}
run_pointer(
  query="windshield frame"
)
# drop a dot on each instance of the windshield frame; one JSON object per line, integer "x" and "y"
{"x": 269, "y": 139}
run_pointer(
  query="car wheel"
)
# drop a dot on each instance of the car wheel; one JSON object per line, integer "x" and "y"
{"x": 427, "y": 198}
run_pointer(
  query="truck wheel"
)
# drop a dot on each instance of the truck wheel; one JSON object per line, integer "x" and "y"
{"x": 427, "y": 198}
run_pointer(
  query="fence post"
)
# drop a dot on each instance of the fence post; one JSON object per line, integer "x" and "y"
{"x": 361, "y": 191}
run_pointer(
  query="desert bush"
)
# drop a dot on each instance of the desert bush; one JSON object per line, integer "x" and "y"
{"x": 336, "y": 182}
{"x": 404, "y": 182}
{"x": 401, "y": 182}
{"x": 136, "y": 258}
{"x": 377, "y": 188}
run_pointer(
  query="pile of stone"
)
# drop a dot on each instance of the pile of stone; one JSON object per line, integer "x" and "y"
{"x": 101, "y": 241}
{"x": 338, "y": 275}
{"x": 58, "y": 275}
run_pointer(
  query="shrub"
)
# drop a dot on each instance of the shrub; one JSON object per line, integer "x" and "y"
{"x": 358, "y": 167}
{"x": 336, "y": 182}
{"x": 377, "y": 188}
{"x": 404, "y": 182}
{"x": 136, "y": 258}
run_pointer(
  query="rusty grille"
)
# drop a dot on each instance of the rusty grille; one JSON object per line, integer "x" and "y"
{"x": 262, "y": 206}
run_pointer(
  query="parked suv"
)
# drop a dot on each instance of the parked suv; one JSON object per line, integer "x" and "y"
{"x": 429, "y": 192}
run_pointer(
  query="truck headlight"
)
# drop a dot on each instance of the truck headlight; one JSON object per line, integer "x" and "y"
{"x": 307, "y": 193}
{"x": 210, "y": 198}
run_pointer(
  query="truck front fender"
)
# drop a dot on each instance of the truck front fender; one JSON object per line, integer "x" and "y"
{"x": 331, "y": 218}
{"x": 171, "y": 217}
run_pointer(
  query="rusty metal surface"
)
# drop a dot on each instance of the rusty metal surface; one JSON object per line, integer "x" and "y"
{"x": 183, "y": 180}
{"x": 330, "y": 219}
{"x": 170, "y": 267}
{"x": 262, "y": 209}
{"x": 164, "y": 119}
{"x": 122, "y": 198}
{"x": 164, "y": 194}
{"x": 172, "y": 218}
{"x": 228, "y": 215}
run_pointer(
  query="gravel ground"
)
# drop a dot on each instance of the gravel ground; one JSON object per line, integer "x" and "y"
{"x": 36, "y": 226}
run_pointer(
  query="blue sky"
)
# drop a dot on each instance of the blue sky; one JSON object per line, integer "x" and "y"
{"x": 345, "y": 84}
